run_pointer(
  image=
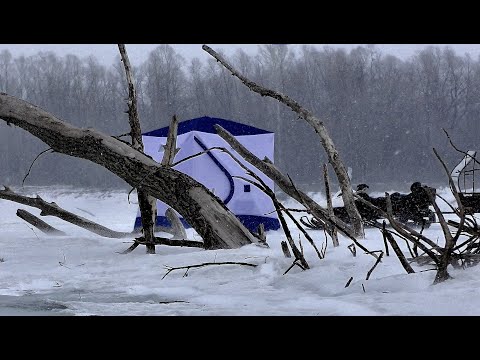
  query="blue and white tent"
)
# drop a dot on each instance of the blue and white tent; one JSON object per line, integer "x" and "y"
{"x": 216, "y": 169}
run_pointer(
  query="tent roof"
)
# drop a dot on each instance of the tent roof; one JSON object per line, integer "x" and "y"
{"x": 205, "y": 124}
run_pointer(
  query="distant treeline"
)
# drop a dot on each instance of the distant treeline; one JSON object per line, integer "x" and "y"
{"x": 384, "y": 114}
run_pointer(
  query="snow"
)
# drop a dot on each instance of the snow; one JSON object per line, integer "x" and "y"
{"x": 84, "y": 274}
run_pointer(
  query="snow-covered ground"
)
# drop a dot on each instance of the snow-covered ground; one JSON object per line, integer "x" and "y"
{"x": 84, "y": 274}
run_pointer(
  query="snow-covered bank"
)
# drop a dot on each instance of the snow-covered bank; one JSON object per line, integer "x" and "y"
{"x": 83, "y": 274}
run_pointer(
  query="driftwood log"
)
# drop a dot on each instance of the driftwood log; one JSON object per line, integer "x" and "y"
{"x": 52, "y": 209}
{"x": 38, "y": 223}
{"x": 205, "y": 212}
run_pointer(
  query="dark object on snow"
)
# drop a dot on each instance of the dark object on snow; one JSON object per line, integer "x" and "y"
{"x": 362, "y": 187}
{"x": 409, "y": 208}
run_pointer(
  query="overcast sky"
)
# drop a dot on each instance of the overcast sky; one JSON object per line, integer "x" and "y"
{"x": 138, "y": 53}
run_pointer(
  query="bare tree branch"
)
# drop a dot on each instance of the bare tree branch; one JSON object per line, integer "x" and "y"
{"x": 33, "y": 162}
{"x": 285, "y": 249}
{"x": 332, "y": 230}
{"x": 320, "y": 129}
{"x": 146, "y": 202}
{"x": 374, "y": 266}
{"x": 385, "y": 238}
{"x": 398, "y": 252}
{"x": 282, "y": 181}
{"x": 171, "y": 268}
{"x": 177, "y": 229}
{"x": 38, "y": 223}
{"x": 171, "y": 145}
{"x": 456, "y": 148}
{"x": 52, "y": 209}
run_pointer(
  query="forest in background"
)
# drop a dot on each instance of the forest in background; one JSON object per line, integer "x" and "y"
{"x": 384, "y": 114}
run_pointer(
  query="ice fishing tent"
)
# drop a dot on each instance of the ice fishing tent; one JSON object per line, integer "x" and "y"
{"x": 216, "y": 169}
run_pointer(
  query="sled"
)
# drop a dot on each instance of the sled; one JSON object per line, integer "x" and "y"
{"x": 412, "y": 209}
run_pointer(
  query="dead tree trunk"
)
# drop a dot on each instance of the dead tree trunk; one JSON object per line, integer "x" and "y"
{"x": 218, "y": 226}
{"x": 146, "y": 203}
{"x": 320, "y": 129}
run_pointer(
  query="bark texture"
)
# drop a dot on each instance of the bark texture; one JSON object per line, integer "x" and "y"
{"x": 146, "y": 202}
{"x": 38, "y": 223}
{"x": 52, "y": 209}
{"x": 218, "y": 226}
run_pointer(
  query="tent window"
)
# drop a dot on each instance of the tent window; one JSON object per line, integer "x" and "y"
{"x": 246, "y": 188}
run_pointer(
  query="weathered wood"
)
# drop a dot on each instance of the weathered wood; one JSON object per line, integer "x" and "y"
{"x": 320, "y": 129}
{"x": 52, "y": 209}
{"x": 171, "y": 242}
{"x": 130, "y": 249}
{"x": 296, "y": 252}
{"x": 162, "y": 241}
{"x": 374, "y": 266}
{"x": 171, "y": 268}
{"x": 385, "y": 243}
{"x": 170, "y": 148}
{"x": 177, "y": 230}
{"x": 38, "y": 223}
{"x": 218, "y": 226}
{"x": 271, "y": 171}
{"x": 398, "y": 252}
{"x": 285, "y": 249}
{"x": 302, "y": 230}
{"x": 331, "y": 229}
{"x": 261, "y": 235}
{"x": 146, "y": 202}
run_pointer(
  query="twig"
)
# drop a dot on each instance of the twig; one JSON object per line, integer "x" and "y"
{"x": 130, "y": 249}
{"x": 332, "y": 229}
{"x": 409, "y": 248}
{"x": 323, "y": 250}
{"x": 384, "y": 238}
{"x": 399, "y": 253}
{"x": 33, "y": 231}
{"x": 33, "y": 162}
{"x": 63, "y": 263}
{"x": 374, "y": 266}
{"x": 293, "y": 264}
{"x": 457, "y": 149}
{"x": 171, "y": 268}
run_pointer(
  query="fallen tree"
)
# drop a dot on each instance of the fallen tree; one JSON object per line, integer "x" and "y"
{"x": 205, "y": 212}
{"x": 52, "y": 209}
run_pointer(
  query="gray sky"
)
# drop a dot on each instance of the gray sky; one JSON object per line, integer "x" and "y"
{"x": 138, "y": 53}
